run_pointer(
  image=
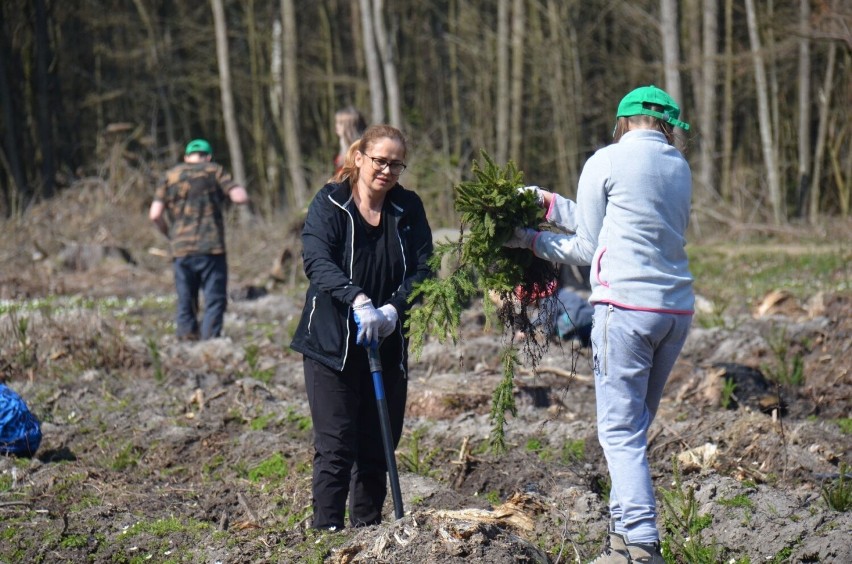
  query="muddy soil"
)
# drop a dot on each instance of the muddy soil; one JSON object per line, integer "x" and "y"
{"x": 165, "y": 451}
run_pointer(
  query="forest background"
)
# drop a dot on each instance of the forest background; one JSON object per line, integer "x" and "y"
{"x": 89, "y": 87}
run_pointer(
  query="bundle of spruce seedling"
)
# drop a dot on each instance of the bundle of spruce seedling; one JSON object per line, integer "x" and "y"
{"x": 491, "y": 207}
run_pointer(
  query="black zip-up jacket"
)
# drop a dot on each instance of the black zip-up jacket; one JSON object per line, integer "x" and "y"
{"x": 327, "y": 325}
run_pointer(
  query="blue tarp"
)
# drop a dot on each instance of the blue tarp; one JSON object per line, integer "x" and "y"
{"x": 20, "y": 431}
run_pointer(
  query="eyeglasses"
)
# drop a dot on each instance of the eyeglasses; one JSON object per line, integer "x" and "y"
{"x": 379, "y": 164}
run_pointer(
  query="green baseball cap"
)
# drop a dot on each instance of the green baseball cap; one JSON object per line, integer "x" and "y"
{"x": 635, "y": 101}
{"x": 198, "y": 146}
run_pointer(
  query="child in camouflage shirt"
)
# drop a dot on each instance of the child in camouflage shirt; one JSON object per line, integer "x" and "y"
{"x": 187, "y": 208}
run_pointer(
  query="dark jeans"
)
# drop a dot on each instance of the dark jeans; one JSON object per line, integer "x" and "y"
{"x": 209, "y": 274}
{"x": 349, "y": 457}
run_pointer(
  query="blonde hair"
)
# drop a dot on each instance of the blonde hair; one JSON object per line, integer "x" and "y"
{"x": 372, "y": 134}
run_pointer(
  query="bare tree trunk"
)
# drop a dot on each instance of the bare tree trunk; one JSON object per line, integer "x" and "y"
{"x": 502, "y": 80}
{"x": 12, "y": 159}
{"x": 371, "y": 56}
{"x": 257, "y": 129}
{"x": 707, "y": 114}
{"x": 728, "y": 104}
{"x": 455, "y": 102}
{"x": 386, "y": 53}
{"x": 763, "y": 116}
{"x": 692, "y": 22}
{"x": 290, "y": 105}
{"x": 671, "y": 48}
{"x": 557, "y": 90}
{"x": 804, "y": 105}
{"x": 154, "y": 64}
{"x": 228, "y": 112}
{"x": 772, "y": 66}
{"x": 517, "y": 79}
{"x": 44, "y": 112}
{"x": 276, "y": 96}
{"x": 822, "y": 132}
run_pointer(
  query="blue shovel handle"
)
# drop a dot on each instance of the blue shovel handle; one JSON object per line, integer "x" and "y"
{"x": 387, "y": 438}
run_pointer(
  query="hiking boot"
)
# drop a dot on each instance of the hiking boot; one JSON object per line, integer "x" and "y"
{"x": 616, "y": 552}
{"x": 646, "y": 553}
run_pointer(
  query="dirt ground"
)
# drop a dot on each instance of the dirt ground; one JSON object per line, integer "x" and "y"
{"x": 164, "y": 451}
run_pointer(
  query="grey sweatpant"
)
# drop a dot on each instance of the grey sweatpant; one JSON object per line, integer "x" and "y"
{"x": 634, "y": 352}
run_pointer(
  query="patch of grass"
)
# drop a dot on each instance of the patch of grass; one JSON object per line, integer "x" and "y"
{"x": 783, "y": 555}
{"x": 573, "y": 451}
{"x": 535, "y": 445}
{"x": 302, "y": 422}
{"x": 493, "y": 497}
{"x": 5, "y": 482}
{"x": 74, "y": 541}
{"x": 261, "y": 422}
{"x": 126, "y": 457}
{"x": 741, "y": 500}
{"x": 170, "y": 525}
{"x": 294, "y": 517}
{"x": 716, "y": 316}
{"x": 838, "y": 493}
{"x": 845, "y": 425}
{"x": 745, "y": 273}
{"x": 213, "y": 465}
{"x": 274, "y": 468}
{"x": 86, "y": 501}
{"x": 252, "y": 352}
{"x": 318, "y": 545}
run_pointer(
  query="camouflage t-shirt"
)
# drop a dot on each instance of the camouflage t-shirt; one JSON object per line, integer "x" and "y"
{"x": 193, "y": 195}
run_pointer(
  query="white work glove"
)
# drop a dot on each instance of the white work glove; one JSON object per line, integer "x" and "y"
{"x": 368, "y": 319}
{"x": 539, "y": 193}
{"x": 523, "y": 238}
{"x": 391, "y": 318}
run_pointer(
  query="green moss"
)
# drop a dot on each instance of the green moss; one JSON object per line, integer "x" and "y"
{"x": 275, "y": 468}
{"x": 845, "y": 425}
{"x": 741, "y": 500}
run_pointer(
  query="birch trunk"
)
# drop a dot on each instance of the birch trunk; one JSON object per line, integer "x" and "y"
{"x": 386, "y": 53}
{"x": 44, "y": 109}
{"x": 763, "y": 116}
{"x": 502, "y": 80}
{"x": 257, "y": 129}
{"x": 804, "y": 105}
{"x": 371, "y": 57}
{"x": 290, "y": 105}
{"x": 517, "y": 79}
{"x": 707, "y": 113}
{"x": 671, "y": 48}
{"x": 228, "y": 114}
{"x": 822, "y": 133}
{"x": 728, "y": 104}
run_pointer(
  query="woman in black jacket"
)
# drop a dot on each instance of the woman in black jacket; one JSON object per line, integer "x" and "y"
{"x": 366, "y": 242}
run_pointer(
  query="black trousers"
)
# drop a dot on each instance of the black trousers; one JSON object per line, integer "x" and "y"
{"x": 349, "y": 457}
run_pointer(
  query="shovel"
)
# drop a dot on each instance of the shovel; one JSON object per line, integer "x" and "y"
{"x": 387, "y": 437}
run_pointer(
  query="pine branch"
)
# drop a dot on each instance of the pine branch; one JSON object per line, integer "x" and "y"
{"x": 490, "y": 207}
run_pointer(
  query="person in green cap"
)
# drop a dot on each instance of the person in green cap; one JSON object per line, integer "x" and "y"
{"x": 187, "y": 208}
{"x": 629, "y": 224}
